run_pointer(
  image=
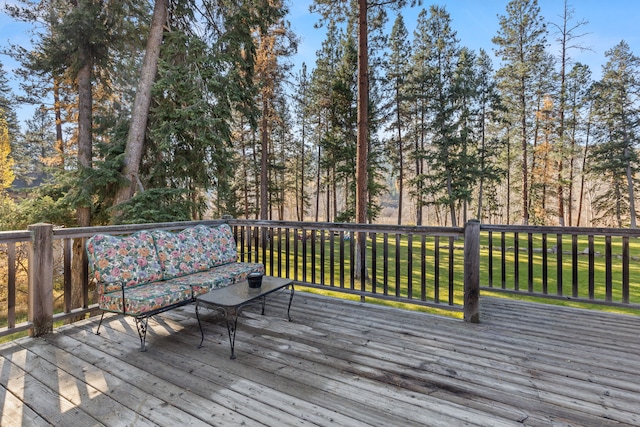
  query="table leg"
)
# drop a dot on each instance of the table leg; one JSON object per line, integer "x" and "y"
{"x": 200, "y": 326}
{"x": 290, "y": 300}
{"x": 232, "y": 324}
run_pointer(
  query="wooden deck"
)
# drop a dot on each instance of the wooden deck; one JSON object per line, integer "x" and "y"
{"x": 338, "y": 363}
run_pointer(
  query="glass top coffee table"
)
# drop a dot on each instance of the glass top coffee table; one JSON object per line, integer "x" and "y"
{"x": 233, "y": 298}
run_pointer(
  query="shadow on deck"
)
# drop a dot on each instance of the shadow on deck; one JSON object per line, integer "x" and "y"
{"x": 338, "y": 363}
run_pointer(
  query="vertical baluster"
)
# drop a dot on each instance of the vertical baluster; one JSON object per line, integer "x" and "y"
{"x": 559, "y": 290}
{"x": 287, "y": 255}
{"x": 574, "y": 266}
{"x": 67, "y": 248}
{"x": 409, "y": 268}
{"x": 11, "y": 284}
{"x": 374, "y": 253}
{"x": 386, "y": 264}
{"x": 545, "y": 265}
{"x": 451, "y": 269}
{"x": 332, "y": 258}
{"x": 436, "y": 270}
{"x": 490, "y": 259}
{"x": 530, "y": 258}
{"x": 322, "y": 257}
{"x": 503, "y": 248}
{"x": 398, "y": 258}
{"x": 609, "y": 269}
{"x": 516, "y": 260}
{"x": 625, "y": 269}
{"x": 342, "y": 259}
{"x": 423, "y": 268}
{"x": 592, "y": 281}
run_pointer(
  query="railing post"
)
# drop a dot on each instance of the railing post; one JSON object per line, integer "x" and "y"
{"x": 41, "y": 279}
{"x": 472, "y": 271}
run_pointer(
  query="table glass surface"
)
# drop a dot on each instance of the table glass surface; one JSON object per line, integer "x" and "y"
{"x": 240, "y": 293}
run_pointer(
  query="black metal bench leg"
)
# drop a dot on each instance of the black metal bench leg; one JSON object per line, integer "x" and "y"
{"x": 100, "y": 324}
{"x": 141, "y": 325}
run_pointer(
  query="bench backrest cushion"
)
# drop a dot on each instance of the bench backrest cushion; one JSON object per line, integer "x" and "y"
{"x": 180, "y": 253}
{"x": 131, "y": 260}
{"x": 218, "y": 243}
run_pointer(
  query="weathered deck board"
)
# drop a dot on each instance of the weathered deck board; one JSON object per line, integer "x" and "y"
{"x": 337, "y": 363}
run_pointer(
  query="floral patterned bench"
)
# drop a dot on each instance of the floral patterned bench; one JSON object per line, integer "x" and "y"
{"x": 150, "y": 272}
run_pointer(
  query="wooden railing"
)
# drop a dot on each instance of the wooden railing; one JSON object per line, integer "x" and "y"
{"x": 440, "y": 267}
{"x": 415, "y": 265}
{"x": 590, "y": 265}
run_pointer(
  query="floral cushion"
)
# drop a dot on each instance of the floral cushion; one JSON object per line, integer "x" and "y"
{"x": 218, "y": 277}
{"x": 129, "y": 260}
{"x": 218, "y": 243}
{"x": 145, "y": 298}
{"x": 180, "y": 253}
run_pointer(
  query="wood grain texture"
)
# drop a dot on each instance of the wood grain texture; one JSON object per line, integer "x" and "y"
{"x": 337, "y": 363}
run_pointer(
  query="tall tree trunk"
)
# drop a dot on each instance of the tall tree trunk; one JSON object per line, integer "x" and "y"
{"x": 584, "y": 165}
{"x": 83, "y": 213}
{"x": 135, "y": 140}
{"x": 264, "y": 160}
{"x": 362, "y": 144}
{"x": 525, "y": 154}
{"x": 483, "y": 141}
{"x": 302, "y": 169}
{"x": 632, "y": 201}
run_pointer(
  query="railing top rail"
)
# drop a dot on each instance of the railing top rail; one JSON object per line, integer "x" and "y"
{"x": 15, "y": 236}
{"x": 541, "y": 229}
{"x": 74, "y": 232}
{"x": 338, "y": 226}
{"x": 64, "y": 233}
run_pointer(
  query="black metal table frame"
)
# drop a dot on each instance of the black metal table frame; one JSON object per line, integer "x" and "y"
{"x": 231, "y": 313}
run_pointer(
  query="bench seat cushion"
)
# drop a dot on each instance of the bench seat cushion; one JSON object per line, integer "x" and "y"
{"x": 144, "y": 298}
{"x": 218, "y": 277}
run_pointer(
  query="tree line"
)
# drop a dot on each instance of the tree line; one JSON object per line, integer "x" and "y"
{"x": 183, "y": 110}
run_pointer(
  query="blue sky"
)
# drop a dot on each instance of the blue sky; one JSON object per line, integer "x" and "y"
{"x": 476, "y": 22}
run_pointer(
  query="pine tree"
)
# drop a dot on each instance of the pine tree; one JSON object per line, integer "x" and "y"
{"x": 491, "y": 142}
{"x": 446, "y": 182}
{"x": 616, "y": 115}
{"x": 301, "y": 164}
{"x": 578, "y": 83}
{"x": 397, "y": 107}
{"x": 521, "y": 41}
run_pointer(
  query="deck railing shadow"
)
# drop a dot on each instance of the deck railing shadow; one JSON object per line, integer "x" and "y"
{"x": 439, "y": 267}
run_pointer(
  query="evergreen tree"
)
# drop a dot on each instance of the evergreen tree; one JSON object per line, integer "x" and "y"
{"x": 39, "y": 147}
{"x": 447, "y": 181}
{"x": 7, "y": 102}
{"x": 419, "y": 97}
{"x": 521, "y": 41}
{"x": 491, "y": 142}
{"x": 301, "y": 164}
{"x": 578, "y": 83}
{"x": 323, "y": 110}
{"x": 397, "y": 107}
{"x": 614, "y": 159}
